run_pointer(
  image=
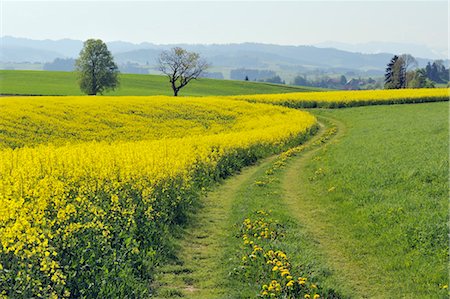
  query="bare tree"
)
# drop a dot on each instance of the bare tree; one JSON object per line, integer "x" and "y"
{"x": 181, "y": 67}
{"x": 409, "y": 61}
{"x": 409, "y": 65}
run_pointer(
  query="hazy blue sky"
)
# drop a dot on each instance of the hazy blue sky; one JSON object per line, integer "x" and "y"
{"x": 288, "y": 23}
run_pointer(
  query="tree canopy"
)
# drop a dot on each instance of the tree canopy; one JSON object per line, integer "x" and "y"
{"x": 97, "y": 69}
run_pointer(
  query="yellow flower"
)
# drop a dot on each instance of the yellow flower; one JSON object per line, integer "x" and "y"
{"x": 284, "y": 272}
{"x": 50, "y": 191}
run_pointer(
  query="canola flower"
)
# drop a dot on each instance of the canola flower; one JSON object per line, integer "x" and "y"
{"x": 263, "y": 263}
{"x": 67, "y": 120}
{"x": 96, "y": 211}
{"x": 281, "y": 160}
{"x": 341, "y": 99}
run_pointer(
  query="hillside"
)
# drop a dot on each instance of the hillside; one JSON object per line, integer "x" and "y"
{"x": 65, "y": 83}
{"x": 286, "y": 61}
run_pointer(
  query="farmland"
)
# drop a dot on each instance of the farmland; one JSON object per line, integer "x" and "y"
{"x": 384, "y": 192}
{"x": 355, "y": 98}
{"x": 29, "y": 121}
{"x": 362, "y": 215}
{"x": 117, "y": 196}
{"x": 65, "y": 83}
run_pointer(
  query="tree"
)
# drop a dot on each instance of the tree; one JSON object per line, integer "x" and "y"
{"x": 418, "y": 79}
{"x": 301, "y": 80}
{"x": 275, "y": 79}
{"x": 409, "y": 65}
{"x": 395, "y": 76}
{"x": 98, "y": 72}
{"x": 181, "y": 67}
{"x": 60, "y": 64}
{"x": 437, "y": 72}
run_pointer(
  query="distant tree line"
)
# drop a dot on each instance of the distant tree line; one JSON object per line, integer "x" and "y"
{"x": 275, "y": 79}
{"x": 340, "y": 82}
{"x": 68, "y": 65}
{"x": 60, "y": 64}
{"x": 251, "y": 74}
{"x": 212, "y": 75}
{"x": 132, "y": 68}
{"x": 256, "y": 75}
{"x": 437, "y": 72}
{"x": 402, "y": 72}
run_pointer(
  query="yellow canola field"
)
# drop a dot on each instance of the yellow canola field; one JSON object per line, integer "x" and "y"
{"x": 340, "y": 99}
{"x": 92, "y": 218}
{"x": 32, "y": 121}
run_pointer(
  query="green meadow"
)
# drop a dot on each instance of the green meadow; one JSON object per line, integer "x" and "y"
{"x": 65, "y": 83}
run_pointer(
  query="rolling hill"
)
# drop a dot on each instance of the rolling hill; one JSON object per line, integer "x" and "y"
{"x": 65, "y": 83}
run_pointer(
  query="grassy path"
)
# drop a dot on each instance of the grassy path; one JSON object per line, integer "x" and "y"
{"x": 376, "y": 203}
{"x": 300, "y": 202}
{"x": 197, "y": 272}
{"x": 364, "y": 214}
{"x": 208, "y": 246}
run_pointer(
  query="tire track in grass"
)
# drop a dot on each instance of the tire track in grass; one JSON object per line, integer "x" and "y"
{"x": 196, "y": 273}
{"x": 312, "y": 217}
{"x": 199, "y": 271}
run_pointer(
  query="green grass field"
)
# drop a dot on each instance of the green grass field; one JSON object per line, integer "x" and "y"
{"x": 65, "y": 83}
{"x": 381, "y": 199}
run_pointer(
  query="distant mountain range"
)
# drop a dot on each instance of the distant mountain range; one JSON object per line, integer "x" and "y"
{"x": 285, "y": 60}
{"x": 416, "y": 50}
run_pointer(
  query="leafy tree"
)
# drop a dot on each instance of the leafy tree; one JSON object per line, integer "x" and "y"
{"x": 399, "y": 71}
{"x": 97, "y": 69}
{"x": 181, "y": 67}
{"x": 418, "y": 79}
{"x": 301, "y": 80}
{"x": 60, "y": 64}
{"x": 252, "y": 74}
{"x": 437, "y": 72}
{"x": 275, "y": 79}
